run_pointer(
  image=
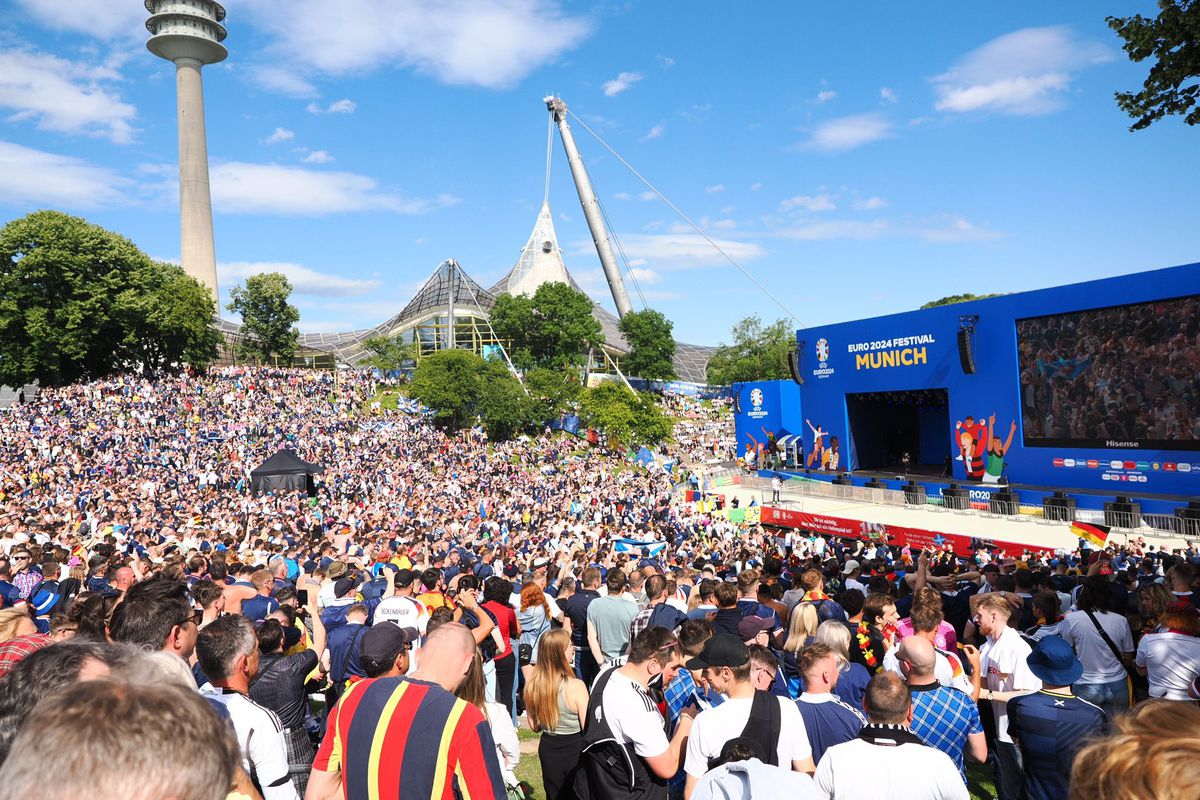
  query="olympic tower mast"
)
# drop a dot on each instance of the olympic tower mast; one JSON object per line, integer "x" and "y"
{"x": 591, "y": 208}
{"x": 189, "y": 33}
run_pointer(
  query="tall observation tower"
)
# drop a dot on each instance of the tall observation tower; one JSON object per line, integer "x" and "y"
{"x": 189, "y": 33}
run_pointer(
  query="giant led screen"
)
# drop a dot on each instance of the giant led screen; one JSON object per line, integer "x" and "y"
{"x": 1119, "y": 377}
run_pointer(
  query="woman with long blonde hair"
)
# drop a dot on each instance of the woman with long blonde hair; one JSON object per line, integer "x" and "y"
{"x": 802, "y": 628}
{"x": 556, "y": 705}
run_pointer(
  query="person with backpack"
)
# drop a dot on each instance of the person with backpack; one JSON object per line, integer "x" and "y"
{"x": 626, "y": 752}
{"x": 774, "y": 722}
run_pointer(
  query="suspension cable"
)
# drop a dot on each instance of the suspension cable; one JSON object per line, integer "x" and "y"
{"x": 685, "y": 218}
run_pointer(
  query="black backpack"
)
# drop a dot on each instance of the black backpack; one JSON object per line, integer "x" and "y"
{"x": 612, "y": 770}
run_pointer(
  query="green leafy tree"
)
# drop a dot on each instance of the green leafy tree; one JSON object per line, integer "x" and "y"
{"x": 551, "y": 392}
{"x": 388, "y": 353}
{"x": 1172, "y": 39}
{"x": 957, "y": 298}
{"x": 652, "y": 347}
{"x": 461, "y": 388}
{"x": 757, "y": 353}
{"x": 78, "y": 302}
{"x": 628, "y": 418}
{"x": 268, "y": 319}
{"x": 504, "y": 408}
{"x": 554, "y": 328}
{"x": 512, "y": 319}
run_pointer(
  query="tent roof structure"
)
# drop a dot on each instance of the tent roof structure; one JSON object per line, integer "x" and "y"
{"x": 540, "y": 262}
{"x": 286, "y": 462}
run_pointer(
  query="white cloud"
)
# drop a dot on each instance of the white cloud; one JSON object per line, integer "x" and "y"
{"x": 623, "y": 196}
{"x": 655, "y": 133}
{"x": 888, "y": 95}
{"x": 317, "y": 157}
{"x": 678, "y": 250}
{"x": 462, "y": 42}
{"x": 846, "y": 133}
{"x": 281, "y": 80}
{"x": 64, "y": 96}
{"x": 754, "y": 187}
{"x": 943, "y": 229}
{"x": 241, "y": 188}
{"x": 826, "y": 95}
{"x": 647, "y": 195}
{"x": 665, "y": 62}
{"x": 303, "y": 279}
{"x": 1026, "y": 72}
{"x": 818, "y": 202}
{"x": 101, "y": 20}
{"x": 336, "y": 107}
{"x": 280, "y": 135}
{"x": 870, "y": 204}
{"x": 715, "y": 188}
{"x": 621, "y": 83}
{"x": 646, "y": 276}
{"x": 31, "y": 178}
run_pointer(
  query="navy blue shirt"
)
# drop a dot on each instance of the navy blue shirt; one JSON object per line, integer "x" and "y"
{"x": 258, "y": 607}
{"x": 1050, "y": 729}
{"x": 343, "y": 651}
{"x": 828, "y": 720}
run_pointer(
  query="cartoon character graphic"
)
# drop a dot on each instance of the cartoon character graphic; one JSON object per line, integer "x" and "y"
{"x": 970, "y": 437}
{"x": 818, "y": 446}
{"x": 980, "y": 448}
{"x": 994, "y": 459}
{"x": 833, "y": 456}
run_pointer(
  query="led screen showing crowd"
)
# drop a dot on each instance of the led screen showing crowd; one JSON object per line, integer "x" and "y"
{"x": 1126, "y": 376}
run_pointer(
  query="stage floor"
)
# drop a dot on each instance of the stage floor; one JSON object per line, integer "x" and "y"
{"x": 1026, "y": 531}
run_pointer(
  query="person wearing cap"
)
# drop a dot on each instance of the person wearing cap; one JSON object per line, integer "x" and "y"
{"x": 402, "y": 608}
{"x": 851, "y": 572}
{"x": 1051, "y": 725}
{"x": 755, "y": 630}
{"x": 887, "y": 761}
{"x": 773, "y": 721}
{"x": 385, "y": 650}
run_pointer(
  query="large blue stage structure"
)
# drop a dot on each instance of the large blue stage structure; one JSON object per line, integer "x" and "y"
{"x": 1091, "y": 388}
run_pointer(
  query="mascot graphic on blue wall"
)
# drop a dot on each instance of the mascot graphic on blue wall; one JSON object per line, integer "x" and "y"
{"x": 980, "y": 448}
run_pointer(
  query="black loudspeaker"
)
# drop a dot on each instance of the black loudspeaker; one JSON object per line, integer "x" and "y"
{"x": 875, "y": 483}
{"x": 1005, "y": 502}
{"x": 794, "y": 366}
{"x": 1189, "y": 518}
{"x": 843, "y": 480}
{"x": 737, "y": 401}
{"x": 1059, "y": 507}
{"x": 966, "y": 356}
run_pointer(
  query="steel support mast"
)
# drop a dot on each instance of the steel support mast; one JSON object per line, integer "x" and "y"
{"x": 591, "y": 208}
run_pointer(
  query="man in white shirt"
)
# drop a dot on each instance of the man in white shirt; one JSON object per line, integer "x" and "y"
{"x": 888, "y": 761}
{"x": 851, "y": 574}
{"x": 725, "y": 662}
{"x": 1006, "y": 674}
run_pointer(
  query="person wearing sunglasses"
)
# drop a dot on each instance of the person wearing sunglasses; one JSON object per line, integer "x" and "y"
{"x": 25, "y": 574}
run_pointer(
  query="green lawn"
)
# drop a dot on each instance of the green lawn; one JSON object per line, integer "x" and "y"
{"x": 979, "y": 776}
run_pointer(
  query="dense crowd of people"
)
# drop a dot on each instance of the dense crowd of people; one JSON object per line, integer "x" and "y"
{"x": 173, "y": 634}
{"x": 1130, "y": 373}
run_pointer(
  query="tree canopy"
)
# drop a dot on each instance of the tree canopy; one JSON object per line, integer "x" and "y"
{"x": 957, "y": 298}
{"x": 652, "y": 347}
{"x": 551, "y": 392}
{"x": 627, "y": 418}
{"x": 553, "y": 328}
{"x": 461, "y": 387}
{"x": 756, "y": 353}
{"x": 1172, "y": 39}
{"x": 388, "y": 353}
{"x": 78, "y": 302}
{"x": 268, "y": 319}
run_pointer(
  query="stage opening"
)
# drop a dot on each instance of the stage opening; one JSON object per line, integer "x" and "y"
{"x": 886, "y": 425}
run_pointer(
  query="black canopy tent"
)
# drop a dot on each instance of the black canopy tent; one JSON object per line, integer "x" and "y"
{"x": 284, "y": 472}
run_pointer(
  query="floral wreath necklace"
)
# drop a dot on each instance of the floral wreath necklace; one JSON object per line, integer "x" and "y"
{"x": 863, "y": 636}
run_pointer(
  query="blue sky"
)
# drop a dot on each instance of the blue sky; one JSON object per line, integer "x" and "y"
{"x": 858, "y": 159}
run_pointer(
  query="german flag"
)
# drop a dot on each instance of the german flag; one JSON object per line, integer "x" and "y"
{"x": 1096, "y": 534}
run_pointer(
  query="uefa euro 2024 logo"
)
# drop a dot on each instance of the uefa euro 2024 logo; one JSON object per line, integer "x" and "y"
{"x": 822, "y": 351}
{"x": 756, "y": 398}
